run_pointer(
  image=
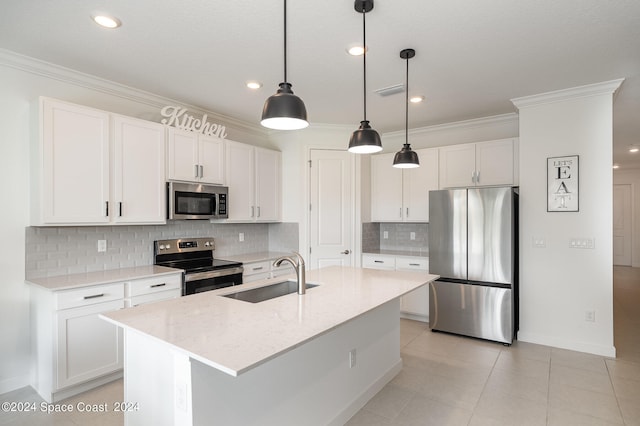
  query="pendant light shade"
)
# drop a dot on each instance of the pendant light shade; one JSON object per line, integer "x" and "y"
{"x": 284, "y": 110}
{"x": 365, "y": 140}
{"x": 406, "y": 158}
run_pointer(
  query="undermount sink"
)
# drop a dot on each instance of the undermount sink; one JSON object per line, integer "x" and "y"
{"x": 271, "y": 291}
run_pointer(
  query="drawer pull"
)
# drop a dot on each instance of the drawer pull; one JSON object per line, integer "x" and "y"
{"x": 94, "y": 296}
{"x": 414, "y": 264}
{"x": 258, "y": 268}
{"x": 378, "y": 261}
{"x": 158, "y": 285}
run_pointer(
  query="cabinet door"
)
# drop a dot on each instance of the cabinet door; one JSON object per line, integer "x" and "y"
{"x": 182, "y": 155}
{"x": 457, "y": 166}
{"x": 87, "y": 346}
{"x": 241, "y": 181}
{"x": 386, "y": 189}
{"x": 494, "y": 162}
{"x": 416, "y": 184}
{"x": 75, "y": 150}
{"x": 211, "y": 158}
{"x": 138, "y": 180}
{"x": 268, "y": 172}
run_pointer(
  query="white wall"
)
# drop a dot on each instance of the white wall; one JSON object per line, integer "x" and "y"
{"x": 632, "y": 177}
{"x": 557, "y": 283}
{"x": 23, "y": 80}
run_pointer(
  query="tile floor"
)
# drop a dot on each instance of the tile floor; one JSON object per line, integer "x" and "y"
{"x": 450, "y": 380}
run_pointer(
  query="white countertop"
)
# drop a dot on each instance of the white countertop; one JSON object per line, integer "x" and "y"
{"x": 257, "y": 256}
{"x": 66, "y": 282}
{"x": 235, "y": 336}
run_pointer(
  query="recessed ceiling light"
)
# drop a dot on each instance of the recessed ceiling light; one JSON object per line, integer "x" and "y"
{"x": 634, "y": 149}
{"x": 355, "y": 50}
{"x": 616, "y": 166}
{"x": 254, "y": 85}
{"x": 106, "y": 21}
{"x": 416, "y": 99}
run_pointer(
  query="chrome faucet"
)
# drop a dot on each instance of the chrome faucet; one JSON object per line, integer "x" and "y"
{"x": 298, "y": 265}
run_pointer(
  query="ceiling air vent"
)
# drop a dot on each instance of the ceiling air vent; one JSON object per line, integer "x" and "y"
{"x": 391, "y": 90}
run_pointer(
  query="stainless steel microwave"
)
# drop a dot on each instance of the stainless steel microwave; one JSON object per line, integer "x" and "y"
{"x": 196, "y": 201}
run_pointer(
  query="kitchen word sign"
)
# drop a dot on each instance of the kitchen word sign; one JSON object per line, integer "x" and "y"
{"x": 562, "y": 184}
{"x": 178, "y": 117}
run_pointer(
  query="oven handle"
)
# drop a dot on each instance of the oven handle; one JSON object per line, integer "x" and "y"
{"x": 213, "y": 274}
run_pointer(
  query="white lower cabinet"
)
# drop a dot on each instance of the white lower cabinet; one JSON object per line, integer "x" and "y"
{"x": 414, "y": 305}
{"x": 154, "y": 289}
{"x": 262, "y": 270}
{"x": 74, "y": 349}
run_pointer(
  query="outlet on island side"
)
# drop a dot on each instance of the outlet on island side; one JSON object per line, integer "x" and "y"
{"x": 590, "y": 316}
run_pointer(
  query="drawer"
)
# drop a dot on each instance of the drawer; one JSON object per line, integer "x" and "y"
{"x": 255, "y": 277}
{"x": 412, "y": 264}
{"x": 256, "y": 268}
{"x": 378, "y": 261}
{"x": 154, "y": 285}
{"x": 86, "y": 296}
{"x": 153, "y": 297}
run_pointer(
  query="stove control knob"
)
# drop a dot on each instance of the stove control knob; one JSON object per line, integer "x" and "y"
{"x": 168, "y": 246}
{"x": 161, "y": 247}
{"x": 207, "y": 244}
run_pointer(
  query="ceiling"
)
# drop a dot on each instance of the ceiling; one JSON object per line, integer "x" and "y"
{"x": 472, "y": 57}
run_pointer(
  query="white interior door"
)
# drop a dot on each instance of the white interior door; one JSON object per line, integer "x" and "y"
{"x": 622, "y": 225}
{"x": 331, "y": 209}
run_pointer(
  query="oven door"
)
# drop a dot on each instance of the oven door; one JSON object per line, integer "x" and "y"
{"x": 212, "y": 280}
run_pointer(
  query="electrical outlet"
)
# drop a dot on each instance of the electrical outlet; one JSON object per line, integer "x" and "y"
{"x": 102, "y": 246}
{"x": 538, "y": 242}
{"x": 590, "y": 316}
{"x": 241, "y": 236}
{"x": 385, "y": 234}
{"x": 352, "y": 358}
{"x": 582, "y": 243}
{"x": 412, "y": 236}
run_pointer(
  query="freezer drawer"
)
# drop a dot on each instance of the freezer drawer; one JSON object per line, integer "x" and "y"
{"x": 472, "y": 310}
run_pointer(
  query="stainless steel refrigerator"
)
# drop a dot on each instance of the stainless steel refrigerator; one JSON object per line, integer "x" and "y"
{"x": 473, "y": 246}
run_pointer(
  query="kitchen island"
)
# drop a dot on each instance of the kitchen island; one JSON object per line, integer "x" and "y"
{"x": 311, "y": 359}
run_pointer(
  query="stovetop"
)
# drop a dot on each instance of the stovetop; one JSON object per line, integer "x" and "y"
{"x": 191, "y": 254}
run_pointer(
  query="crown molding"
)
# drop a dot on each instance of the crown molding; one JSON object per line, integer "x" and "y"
{"x": 604, "y": 88}
{"x": 67, "y": 75}
{"x": 509, "y": 118}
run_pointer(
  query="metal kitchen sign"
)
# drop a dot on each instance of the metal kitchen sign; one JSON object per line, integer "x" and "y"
{"x": 178, "y": 118}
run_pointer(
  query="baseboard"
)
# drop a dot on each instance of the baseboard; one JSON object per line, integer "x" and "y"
{"x": 13, "y": 383}
{"x": 607, "y": 351}
{"x": 421, "y": 318}
{"x": 357, "y": 404}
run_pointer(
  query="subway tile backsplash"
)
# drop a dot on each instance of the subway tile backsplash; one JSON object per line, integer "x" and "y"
{"x": 398, "y": 237}
{"x": 68, "y": 250}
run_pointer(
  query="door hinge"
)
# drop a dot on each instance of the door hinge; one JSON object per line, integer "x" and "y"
{"x": 309, "y": 163}
{"x": 309, "y": 250}
{"x": 309, "y": 206}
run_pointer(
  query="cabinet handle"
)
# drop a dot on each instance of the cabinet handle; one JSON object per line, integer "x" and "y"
{"x": 473, "y": 176}
{"x": 120, "y": 209}
{"x": 157, "y": 285}
{"x": 258, "y": 211}
{"x": 106, "y": 210}
{"x": 196, "y": 171}
{"x": 378, "y": 261}
{"x": 477, "y": 177}
{"x": 400, "y": 211}
{"x": 258, "y": 268}
{"x": 407, "y": 211}
{"x": 201, "y": 170}
{"x": 414, "y": 264}
{"x": 252, "y": 211}
{"x": 94, "y": 296}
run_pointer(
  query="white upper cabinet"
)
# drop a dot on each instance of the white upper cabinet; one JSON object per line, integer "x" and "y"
{"x": 254, "y": 181}
{"x": 70, "y": 182}
{"x": 93, "y": 168}
{"x": 139, "y": 194}
{"x": 402, "y": 195}
{"x": 479, "y": 164}
{"x": 194, "y": 158}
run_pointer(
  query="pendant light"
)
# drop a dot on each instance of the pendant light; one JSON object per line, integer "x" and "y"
{"x": 406, "y": 158}
{"x": 365, "y": 140}
{"x": 284, "y": 110}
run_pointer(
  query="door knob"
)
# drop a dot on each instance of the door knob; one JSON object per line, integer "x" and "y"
{"x": 345, "y": 252}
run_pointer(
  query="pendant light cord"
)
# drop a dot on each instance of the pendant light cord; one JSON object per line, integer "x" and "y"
{"x": 406, "y": 103}
{"x": 364, "y": 60}
{"x": 285, "y": 41}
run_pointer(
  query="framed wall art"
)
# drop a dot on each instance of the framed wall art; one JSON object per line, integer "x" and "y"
{"x": 562, "y": 184}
